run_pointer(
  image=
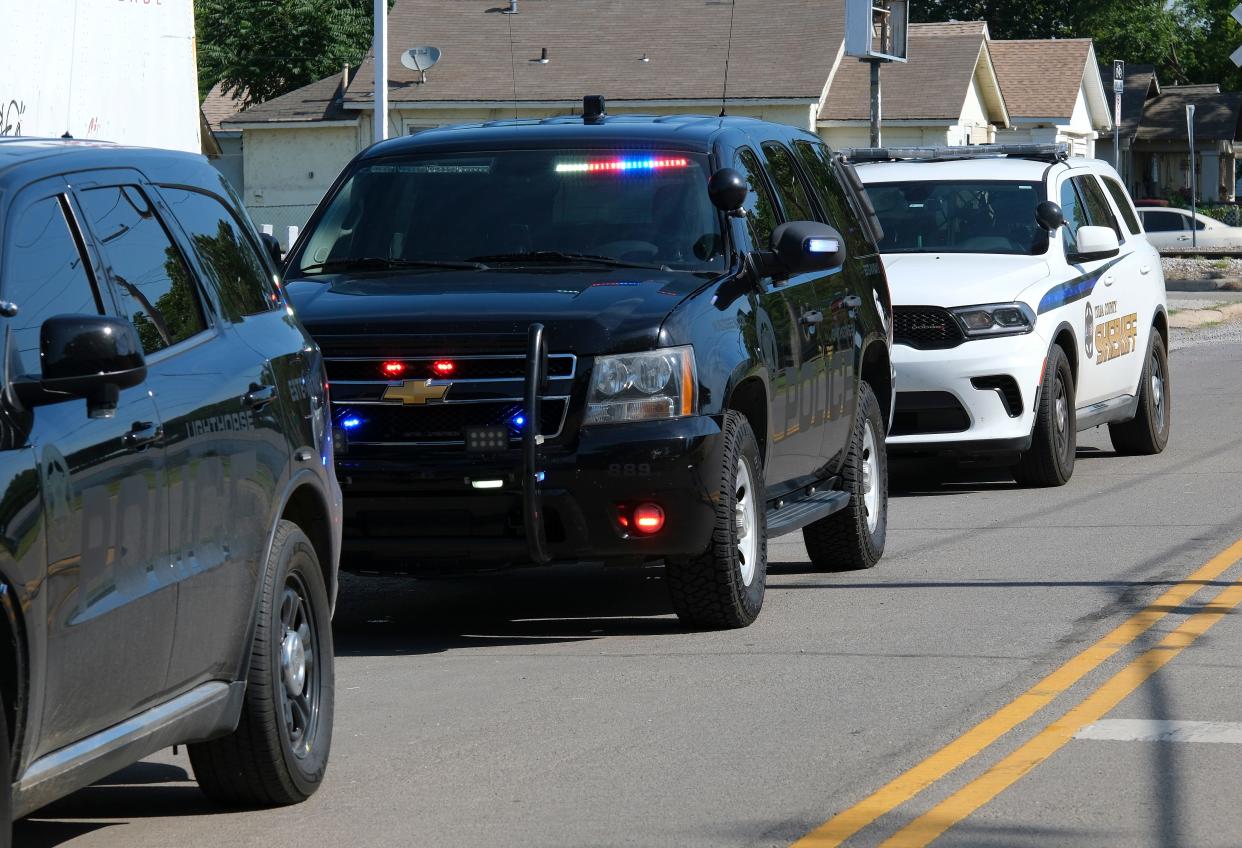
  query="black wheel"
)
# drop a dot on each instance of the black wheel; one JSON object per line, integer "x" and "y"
{"x": 1050, "y": 459}
{"x": 723, "y": 586}
{"x": 279, "y": 751}
{"x": 853, "y": 538}
{"x": 1148, "y": 432}
{"x": 6, "y": 788}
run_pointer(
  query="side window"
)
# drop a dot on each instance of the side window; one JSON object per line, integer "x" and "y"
{"x": 228, "y": 254}
{"x": 760, "y": 208}
{"x": 1123, "y": 204}
{"x": 841, "y": 213}
{"x": 44, "y": 275}
{"x": 155, "y": 284}
{"x": 789, "y": 185}
{"x": 1163, "y": 222}
{"x": 1098, "y": 212}
{"x": 1199, "y": 225}
{"x": 1075, "y": 217}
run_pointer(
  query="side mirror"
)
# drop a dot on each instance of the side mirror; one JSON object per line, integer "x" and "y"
{"x": 1095, "y": 243}
{"x": 273, "y": 248}
{"x": 86, "y": 356}
{"x": 727, "y": 190}
{"x": 803, "y": 246}
{"x": 1049, "y": 216}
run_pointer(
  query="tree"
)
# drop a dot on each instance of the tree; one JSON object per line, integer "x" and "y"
{"x": 260, "y": 49}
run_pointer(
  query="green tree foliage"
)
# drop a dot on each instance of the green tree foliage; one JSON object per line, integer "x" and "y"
{"x": 264, "y": 48}
{"x": 1187, "y": 40}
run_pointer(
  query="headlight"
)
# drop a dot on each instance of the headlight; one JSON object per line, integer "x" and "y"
{"x": 995, "y": 319}
{"x": 642, "y": 386}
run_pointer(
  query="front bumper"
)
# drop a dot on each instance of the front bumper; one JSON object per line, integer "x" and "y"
{"x": 424, "y": 514}
{"x": 988, "y": 425}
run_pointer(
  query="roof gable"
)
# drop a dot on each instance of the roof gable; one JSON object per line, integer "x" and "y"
{"x": 1059, "y": 66}
{"x": 1216, "y": 115}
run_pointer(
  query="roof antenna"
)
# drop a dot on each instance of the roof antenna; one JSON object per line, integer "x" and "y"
{"x": 728, "y": 53}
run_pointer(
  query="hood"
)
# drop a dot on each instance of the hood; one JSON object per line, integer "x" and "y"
{"x": 960, "y": 279}
{"x": 584, "y": 312}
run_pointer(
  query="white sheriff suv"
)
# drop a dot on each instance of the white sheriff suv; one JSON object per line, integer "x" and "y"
{"x": 1028, "y": 305}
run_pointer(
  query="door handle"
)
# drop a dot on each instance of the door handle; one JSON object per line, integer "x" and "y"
{"x": 143, "y": 433}
{"x": 850, "y": 301}
{"x": 259, "y": 396}
{"x": 1108, "y": 279}
{"x": 812, "y": 318}
{"x": 1144, "y": 269}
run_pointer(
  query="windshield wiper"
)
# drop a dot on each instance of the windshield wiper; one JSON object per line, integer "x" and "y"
{"x": 561, "y": 257}
{"x": 379, "y": 263}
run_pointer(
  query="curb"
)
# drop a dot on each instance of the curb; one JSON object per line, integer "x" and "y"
{"x": 1231, "y": 284}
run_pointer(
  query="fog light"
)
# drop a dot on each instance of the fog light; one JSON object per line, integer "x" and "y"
{"x": 648, "y": 518}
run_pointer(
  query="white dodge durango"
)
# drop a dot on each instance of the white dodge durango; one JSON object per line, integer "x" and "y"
{"x": 1028, "y": 305}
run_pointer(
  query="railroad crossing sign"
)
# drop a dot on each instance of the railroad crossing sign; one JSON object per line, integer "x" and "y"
{"x": 1236, "y": 56}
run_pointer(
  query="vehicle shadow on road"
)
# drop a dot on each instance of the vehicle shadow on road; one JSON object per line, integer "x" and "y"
{"x": 387, "y": 615}
{"x": 922, "y": 477}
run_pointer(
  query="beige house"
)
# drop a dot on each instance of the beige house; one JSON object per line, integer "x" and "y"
{"x": 1053, "y": 91}
{"x": 947, "y": 93}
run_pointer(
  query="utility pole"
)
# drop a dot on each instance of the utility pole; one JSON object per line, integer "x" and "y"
{"x": 875, "y": 100}
{"x": 1194, "y": 183}
{"x": 380, "y": 45}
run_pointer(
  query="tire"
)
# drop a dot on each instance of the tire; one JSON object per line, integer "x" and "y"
{"x": 1148, "y": 432}
{"x": 1050, "y": 459}
{"x": 6, "y": 786}
{"x": 279, "y": 751}
{"x": 853, "y": 538}
{"x": 723, "y": 587}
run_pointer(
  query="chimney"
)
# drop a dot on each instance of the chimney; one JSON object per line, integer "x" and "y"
{"x": 513, "y": 10}
{"x": 345, "y": 77}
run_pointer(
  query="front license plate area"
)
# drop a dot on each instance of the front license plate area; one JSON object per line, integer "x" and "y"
{"x": 487, "y": 439}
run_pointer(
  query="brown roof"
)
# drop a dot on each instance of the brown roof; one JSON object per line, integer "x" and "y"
{"x": 1041, "y": 78}
{"x": 782, "y": 49}
{"x": 1216, "y": 115}
{"x": 953, "y": 28}
{"x": 217, "y": 106}
{"x": 932, "y": 85}
{"x": 319, "y": 101}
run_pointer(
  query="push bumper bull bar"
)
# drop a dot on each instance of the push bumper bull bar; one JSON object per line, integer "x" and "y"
{"x": 532, "y": 475}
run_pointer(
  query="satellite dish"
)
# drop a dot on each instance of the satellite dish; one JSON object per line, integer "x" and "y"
{"x": 421, "y": 59}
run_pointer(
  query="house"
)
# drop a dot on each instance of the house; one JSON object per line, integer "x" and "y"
{"x": 1053, "y": 91}
{"x": 1161, "y": 146}
{"x": 1139, "y": 86}
{"x": 223, "y": 145}
{"x": 645, "y": 56}
{"x": 947, "y": 93}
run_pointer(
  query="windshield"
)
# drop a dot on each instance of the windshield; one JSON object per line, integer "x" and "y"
{"x": 958, "y": 217}
{"x": 509, "y": 209}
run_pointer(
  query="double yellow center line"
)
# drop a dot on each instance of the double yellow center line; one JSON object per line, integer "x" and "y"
{"x": 971, "y": 743}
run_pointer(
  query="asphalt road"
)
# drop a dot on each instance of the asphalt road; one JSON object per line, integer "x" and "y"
{"x": 563, "y": 708}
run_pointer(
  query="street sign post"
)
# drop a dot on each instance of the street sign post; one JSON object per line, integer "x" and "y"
{"x": 1236, "y": 56}
{"x": 1119, "y": 84}
{"x": 1194, "y": 184}
{"x": 380, "y": 53}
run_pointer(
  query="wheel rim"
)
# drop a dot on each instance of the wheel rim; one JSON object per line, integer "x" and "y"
{"x": 871, "y": 479}
{"x": 1061, "y": 413}
{"x": 1157, "y": 391}
{"x": 746, "y": 522}
{"x": 299, "y": 668}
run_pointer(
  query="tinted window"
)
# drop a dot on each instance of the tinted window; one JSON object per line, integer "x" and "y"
{"x": 760, "y": 209}
{"x": 789, "y": 185}
{"x": 229, "y": 256}
{"x": 1163, "y": 222}
{"x": 1123, "y": 204}
{"x": 498, "y": 207}
{"x": 45, "y": 276}
{"x": 154, "y": 283}
{"x": 980, "y": 216}
{"x": 1075, "y": 217}
{"x": 1096, "y": 204}
{"x": 841, "y": 213}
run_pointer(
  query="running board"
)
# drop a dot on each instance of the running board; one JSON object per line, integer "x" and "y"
{"x": 786, "y": 516}
{"x": 1121, "y": 408}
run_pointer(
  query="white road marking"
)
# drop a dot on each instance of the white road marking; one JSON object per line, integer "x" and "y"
{"x": 1149, "y": 730}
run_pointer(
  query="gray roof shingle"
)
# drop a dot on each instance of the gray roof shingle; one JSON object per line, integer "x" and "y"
{"x": 319, "y": 101}
{"x": 1216, "y": 115}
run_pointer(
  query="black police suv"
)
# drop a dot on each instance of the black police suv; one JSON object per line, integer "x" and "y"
{"x": 171, "y": 524}
{"x": 603, "y": 339}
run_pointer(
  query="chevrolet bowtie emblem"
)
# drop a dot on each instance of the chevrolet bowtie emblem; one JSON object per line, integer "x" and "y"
{"x": 416, "y": 392}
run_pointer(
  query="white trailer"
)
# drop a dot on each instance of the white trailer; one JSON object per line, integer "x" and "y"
{"x": 115, "y": 70}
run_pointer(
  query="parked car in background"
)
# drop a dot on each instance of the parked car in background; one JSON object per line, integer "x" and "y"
{"x": 171, "y": 519}
{"x": 1171, "y": 228}
{"x": 603, "y": 339}
{"x": 1027, "y": 305}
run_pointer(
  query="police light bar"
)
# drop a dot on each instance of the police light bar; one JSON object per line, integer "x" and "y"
{"x": 1058, "y": 152}
{"x": 642, "y": 163}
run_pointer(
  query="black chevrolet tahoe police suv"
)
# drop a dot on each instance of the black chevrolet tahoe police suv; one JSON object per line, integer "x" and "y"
{"x": 170, "y": 525}
{"x": 603, "y": 339}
